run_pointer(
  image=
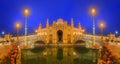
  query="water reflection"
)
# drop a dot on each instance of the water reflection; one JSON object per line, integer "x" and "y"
{"x": 59, "y": 55}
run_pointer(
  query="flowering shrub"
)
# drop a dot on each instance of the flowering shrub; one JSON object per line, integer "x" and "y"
{"x": 107, "y": 57}
{"x": 11, "y": 57}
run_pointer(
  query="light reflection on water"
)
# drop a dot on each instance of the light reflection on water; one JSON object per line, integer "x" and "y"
{"x": 59, "y": 55}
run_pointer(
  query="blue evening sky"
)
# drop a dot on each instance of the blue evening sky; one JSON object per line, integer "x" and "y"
{"x": 12, "y": 11}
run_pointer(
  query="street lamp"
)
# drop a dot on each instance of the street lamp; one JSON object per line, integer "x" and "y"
{"x": 26, "y": 13}
{"x": 102, "y": 26}
{"x": 3, "y": 33}
{"x": 116, "y": 32}
{"x": 18, "y": 26}
{"x": 93, "y": 12}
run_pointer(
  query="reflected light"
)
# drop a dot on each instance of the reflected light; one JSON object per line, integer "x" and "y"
{"x": 74, "y": 53}
{"x": 44, "y": 53}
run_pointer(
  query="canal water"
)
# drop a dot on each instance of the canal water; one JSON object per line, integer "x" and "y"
{"x": 59, "y": 55}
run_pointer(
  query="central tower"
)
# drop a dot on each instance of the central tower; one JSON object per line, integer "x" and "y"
{"x": 59, "y": 31}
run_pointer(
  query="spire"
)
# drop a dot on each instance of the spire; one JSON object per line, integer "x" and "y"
{"x": 40, "y": 26}
{"x": 79, "y": 25}
{"x": 72, "y": 22}
{"x": 47, "y": 23}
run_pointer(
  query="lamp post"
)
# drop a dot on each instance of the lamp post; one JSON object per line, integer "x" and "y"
{"x": 26, "y": 13}
{"x": 17, "y": 25}
{"x": 116, "y": 32}
{"x": 93, "y": 12}
{"x": 3, "y": 33}
{"x": 102, "y": 26}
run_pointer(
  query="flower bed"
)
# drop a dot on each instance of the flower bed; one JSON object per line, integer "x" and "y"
{"x": 11, "y": 56}
{"x": 106, "y": 57}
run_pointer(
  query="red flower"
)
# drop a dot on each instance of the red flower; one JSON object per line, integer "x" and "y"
{"x": 105, "y": 56}
{"x": 108, "y": 62}
{"x": 106, "y": 52}
{"x": 108, "y": 59}
{"x": 11, "y": 59}
{"x": 15, "y": 50}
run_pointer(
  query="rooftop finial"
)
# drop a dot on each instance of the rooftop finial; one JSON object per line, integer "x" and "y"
{"x": 72, "y": 22}
{"x": 79, "y": 25}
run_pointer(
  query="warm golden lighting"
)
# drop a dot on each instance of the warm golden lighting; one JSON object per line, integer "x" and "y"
{"x": 26, "y": 12}
{"x": 102, "y": 25}
{"x": 93, "y": 11}
{"x": 74, "y": 53}
{"x": 18, "y": 25}
{"x": 36, "y": 31}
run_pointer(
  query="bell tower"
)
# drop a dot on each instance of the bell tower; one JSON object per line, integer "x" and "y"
{"x": 79, "y": 26}
{"x": 72, "y": 30}
{"x": 40, "y": 27}
{"x": 47, "y": 31}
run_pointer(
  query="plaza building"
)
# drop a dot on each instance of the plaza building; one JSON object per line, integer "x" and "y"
{"x": 59, "y": 32}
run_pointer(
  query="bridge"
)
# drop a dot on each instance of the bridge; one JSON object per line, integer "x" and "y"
{"x": 87, "y": 38}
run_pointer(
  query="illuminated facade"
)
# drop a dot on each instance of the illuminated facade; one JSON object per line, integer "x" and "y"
{"x": 59, "y": 31}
